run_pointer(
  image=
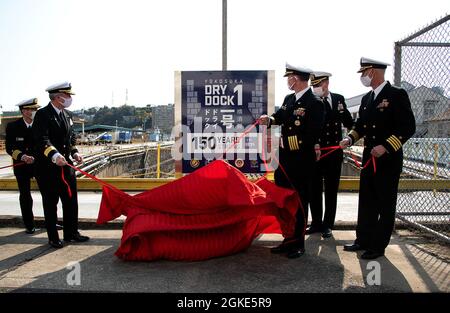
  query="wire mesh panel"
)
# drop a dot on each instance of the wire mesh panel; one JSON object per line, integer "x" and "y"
{"x": 422, "y": 68}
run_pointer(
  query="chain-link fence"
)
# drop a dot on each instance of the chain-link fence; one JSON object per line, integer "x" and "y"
{"x": 422, "y": 68}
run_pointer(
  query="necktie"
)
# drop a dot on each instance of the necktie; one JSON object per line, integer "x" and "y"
{"x": 372, "y": 98}
{"x": 62, "y": 121}
{"x": 327, "y": 105}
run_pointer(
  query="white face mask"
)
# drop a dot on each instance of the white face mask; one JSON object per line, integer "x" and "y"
{"x": 291, "y": 86}
{"x": 318, "y": 91}
{"x": 66, "y": 102}
{"x": 366, "y": 80}
{"x": 33, "y": 114}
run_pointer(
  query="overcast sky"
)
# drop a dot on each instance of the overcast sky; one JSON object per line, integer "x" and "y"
{"x": 107, "y": 46}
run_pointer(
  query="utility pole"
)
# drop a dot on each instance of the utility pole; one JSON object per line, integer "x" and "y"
{"x": 224, "y": 35}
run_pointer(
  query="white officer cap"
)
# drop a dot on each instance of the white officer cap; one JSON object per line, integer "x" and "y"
{"x": 367, "y": 63}
{"x": 297, "y": 70}
{"x": 29, "y": 104}
{"x": 317, "y": 77}
{"x": 64, "y": 87}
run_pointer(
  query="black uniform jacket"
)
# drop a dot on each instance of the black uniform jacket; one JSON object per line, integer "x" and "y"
{"x": 335, "y": 117}
{"x": 52, "y": 135}
{"x": 19, "y": 141}
{"x": 301, "y": 122}
{"x": 387, "y": 120}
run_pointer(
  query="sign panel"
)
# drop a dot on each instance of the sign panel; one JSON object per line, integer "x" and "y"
{"x": 217, "y": 107}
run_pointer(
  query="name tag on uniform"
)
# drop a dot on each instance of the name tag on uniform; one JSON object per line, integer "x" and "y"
{"x": 20, "y": 139}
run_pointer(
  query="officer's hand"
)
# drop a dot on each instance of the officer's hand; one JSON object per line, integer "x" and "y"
{"x": 378, "y": 151}
{"x": 264, "y": 120}
{"x": 318, "y": 152}
{"x": 27, "y": 159}
{"x": 78, "y": 158}
{"x": 60, "y": 160}
{"x": 345, "y": 143}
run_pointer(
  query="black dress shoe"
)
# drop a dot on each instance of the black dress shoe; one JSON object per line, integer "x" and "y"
{"x": 285, "y": 246}
{"x": 370, "y": 255}
{"x": 295, "y": 253}
{"x": 30, "y": 230}
{"x": 313, "y": 229}
{"x": 57, "y": 244}
{"x": 59, "y": 227}
{"x": 327, "y": 233}
{"x": 76, "y": 237}
{"x": 353, "y": 247}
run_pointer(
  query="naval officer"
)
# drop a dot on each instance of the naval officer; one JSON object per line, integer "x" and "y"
{"x": 19, "y": 145}
{"x": 54, "y": 141}
{"x": 328, "y": 169}
{"x": 386, "y": 122}
{"x": 301, "y": 118}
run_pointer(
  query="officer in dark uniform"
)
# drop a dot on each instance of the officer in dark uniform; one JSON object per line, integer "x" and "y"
{"x": 301, "y": 118}
{"x": 328, "y": 169}
{"x": 19, "y": 145}
{"x": 386, "y": 122}
{"x": 54, "y": 141}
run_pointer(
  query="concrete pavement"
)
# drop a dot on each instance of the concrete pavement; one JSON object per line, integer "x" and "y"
{"x": 89, "y": 203}
{"x": 411, "y": 264}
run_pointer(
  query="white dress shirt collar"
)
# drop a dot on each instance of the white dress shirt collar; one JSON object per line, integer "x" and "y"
{"x": 377, "y": 90}
{"x": 56, "y": 109}
{"x": 299, "y": 94}
{"x": 26, "y": 124}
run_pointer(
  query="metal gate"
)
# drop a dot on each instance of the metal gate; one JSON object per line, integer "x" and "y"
{"x": 422, "y": 68}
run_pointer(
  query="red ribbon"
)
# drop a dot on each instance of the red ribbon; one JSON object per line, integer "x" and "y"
{"x": 332, "y": 148}
{"x": 12, "y": 165}
{"x": 69, "y": 191}
{"x": 101, "y": 182}
{"x": 371, "y": 160}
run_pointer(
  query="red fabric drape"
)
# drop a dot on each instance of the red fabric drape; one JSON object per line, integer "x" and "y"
{"x": 215, "y": 211}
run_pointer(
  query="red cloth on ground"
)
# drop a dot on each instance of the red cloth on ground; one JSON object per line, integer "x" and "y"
{"x": 215, "y": 211}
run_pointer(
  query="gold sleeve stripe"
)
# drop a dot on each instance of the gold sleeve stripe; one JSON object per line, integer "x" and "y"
{"x": 390, "y": 142}
{"x": 354, "y": 134}
{"x": 47, "y": 151}
{"x": 15, "y": 154}
{"x": 397, "y": 140}
{"x": 393, "y": 143}
{"x": 293, "y": 144}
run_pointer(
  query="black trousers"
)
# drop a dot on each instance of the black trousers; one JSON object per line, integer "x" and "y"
{"x": 299, "y": 169}
{"x": 53, "y": 189}
{"x": 23, "y": 178}
{"x": 377, "y": 203}
{"x": 328, "y": 174}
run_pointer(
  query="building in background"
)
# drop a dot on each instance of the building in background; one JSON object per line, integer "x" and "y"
{"x": 163, "y": 120}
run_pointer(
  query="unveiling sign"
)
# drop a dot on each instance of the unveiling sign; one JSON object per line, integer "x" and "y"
{"x": 218, "y": 114}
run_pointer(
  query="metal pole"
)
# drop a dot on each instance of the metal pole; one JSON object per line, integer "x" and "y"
{"x": 424, "y": 228}
{"x": 224, "y": 35}
{"x": 436, "y": 156}
{"x": 158, "y": 161}
{"x": 397, "y": 64}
